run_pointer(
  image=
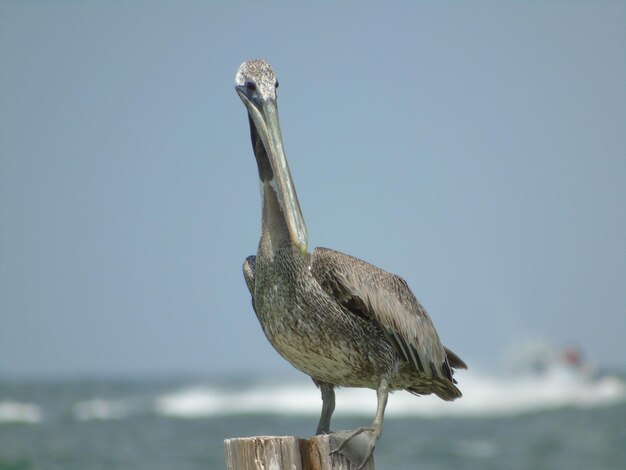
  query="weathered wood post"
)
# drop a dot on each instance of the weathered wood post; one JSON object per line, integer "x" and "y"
{"x": 285, "y": 453}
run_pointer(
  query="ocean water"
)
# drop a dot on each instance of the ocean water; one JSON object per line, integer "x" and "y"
{"x": 557, "y": 420}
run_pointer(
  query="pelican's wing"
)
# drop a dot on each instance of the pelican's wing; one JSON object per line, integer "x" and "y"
{"x": 248, "y": 275}
{"x": 386, "y": 299}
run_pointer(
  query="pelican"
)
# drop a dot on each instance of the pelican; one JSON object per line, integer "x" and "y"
{"x": 340, "y": 320}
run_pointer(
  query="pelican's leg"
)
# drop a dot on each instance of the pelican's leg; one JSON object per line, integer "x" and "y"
{"x": 328, "y": 406}
{"x": 359, "y": 444}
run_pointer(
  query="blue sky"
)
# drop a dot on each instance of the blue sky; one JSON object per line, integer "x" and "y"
{"x": 478, "y": 149}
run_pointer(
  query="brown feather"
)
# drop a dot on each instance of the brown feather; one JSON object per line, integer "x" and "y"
{"x": 386, "y": 299}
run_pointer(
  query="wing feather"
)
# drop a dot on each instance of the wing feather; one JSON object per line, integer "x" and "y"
{"x": 386, "y": 299}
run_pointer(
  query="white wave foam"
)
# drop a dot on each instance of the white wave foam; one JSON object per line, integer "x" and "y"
{"x": 199, "y": 402}
{"x": 15, "y": 412}
{"x": 489, "y": 396}
{"x": 483, "y": 396}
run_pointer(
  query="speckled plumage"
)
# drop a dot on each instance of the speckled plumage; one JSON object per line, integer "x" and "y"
{"x": 342, "y": 321}
{"x": 311, "y": 330}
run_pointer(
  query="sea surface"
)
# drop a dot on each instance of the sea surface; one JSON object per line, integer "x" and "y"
{"x": 555, "y": 420}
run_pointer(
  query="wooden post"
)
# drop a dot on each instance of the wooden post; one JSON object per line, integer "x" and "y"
{"x": 285, "y": 453}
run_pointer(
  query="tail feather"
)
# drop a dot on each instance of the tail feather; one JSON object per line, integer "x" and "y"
{"x": 443, "y": 388}
{"x": 455, "y": 361}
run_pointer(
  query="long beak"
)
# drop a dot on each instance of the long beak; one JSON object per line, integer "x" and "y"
{"x": 265, "y": 118}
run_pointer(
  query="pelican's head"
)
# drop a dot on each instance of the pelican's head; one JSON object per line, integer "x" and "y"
{"x": 256, "y": 81}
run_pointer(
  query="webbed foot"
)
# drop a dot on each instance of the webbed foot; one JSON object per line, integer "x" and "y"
{"x": 357, "y": 446}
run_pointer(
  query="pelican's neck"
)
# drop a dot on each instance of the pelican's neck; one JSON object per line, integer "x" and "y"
{"x": 274, "y": 231}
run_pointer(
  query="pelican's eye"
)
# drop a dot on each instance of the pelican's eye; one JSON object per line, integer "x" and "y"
{"x": 250, "y": 86}
{"x": 276, "y": 84}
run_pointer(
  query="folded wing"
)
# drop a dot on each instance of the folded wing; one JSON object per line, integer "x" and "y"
{"x": 386, "y": 299}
